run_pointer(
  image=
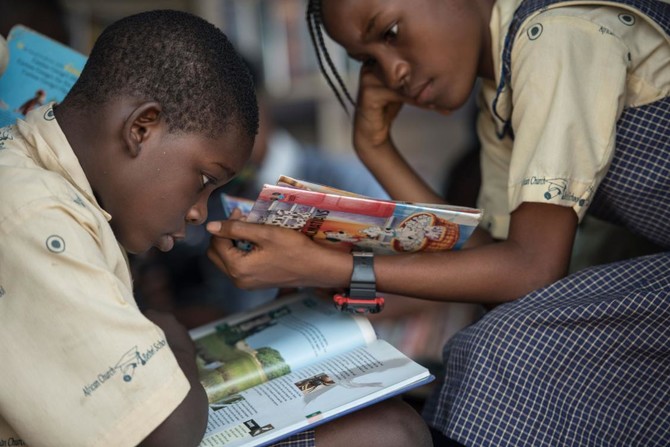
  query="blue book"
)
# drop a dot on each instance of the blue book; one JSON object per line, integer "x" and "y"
{"x": 40, "y": 70}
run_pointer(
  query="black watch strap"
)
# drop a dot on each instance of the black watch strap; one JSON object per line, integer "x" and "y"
{"x": 363, "y": 282}
{"x": 362, "y": 297}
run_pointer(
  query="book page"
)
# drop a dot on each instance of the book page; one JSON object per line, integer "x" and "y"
{"x": 312, "y": 395}
{"x": 245, "y": 350}
{"x": 40, "y": 70}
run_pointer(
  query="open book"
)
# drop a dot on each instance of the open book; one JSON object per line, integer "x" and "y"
{"x": 293, "y": 364}
{"x": 344, "y": 220}
{"x": 40, "y": 70}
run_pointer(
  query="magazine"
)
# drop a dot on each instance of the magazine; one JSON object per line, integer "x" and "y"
{"x": 345, "y": 220}
{"x": 291, "y": 365}
{"x": 40, "y": 70}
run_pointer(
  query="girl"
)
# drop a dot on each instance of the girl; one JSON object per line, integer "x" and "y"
{"x": 574, "y": 118}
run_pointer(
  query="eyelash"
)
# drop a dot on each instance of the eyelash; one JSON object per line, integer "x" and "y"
{"x": 207, "y": 181}
{"x": 389, "y": 36}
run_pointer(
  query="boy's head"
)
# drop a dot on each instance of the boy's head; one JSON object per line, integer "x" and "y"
{"x": 163, "y": 112}
{"x": 177, "y": 59}
{"x": 428, "y": 51}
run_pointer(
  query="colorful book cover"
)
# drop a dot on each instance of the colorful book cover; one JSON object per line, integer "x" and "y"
{"x": 40, "y": 70}
{"x": 344, "y": 221}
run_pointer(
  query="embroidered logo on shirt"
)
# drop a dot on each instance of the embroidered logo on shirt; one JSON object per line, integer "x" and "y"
{"x": 55, "y": 244}
{"x": 5, "y": 135}
{"x": 2, "y": 291}
{"x": 79, "y": 201}
{"x": 49, "y": 114}
{"x": 627, "y": 19}
{"x": 535, "y": 31}
{"x": 126, "y": 366}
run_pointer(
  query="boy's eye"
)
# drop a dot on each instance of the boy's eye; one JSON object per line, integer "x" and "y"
{"x": 391, "y": 34}
{"x": 207, "y": 180}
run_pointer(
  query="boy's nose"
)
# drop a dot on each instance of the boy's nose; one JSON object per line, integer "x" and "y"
{"x": 197, "y": 214}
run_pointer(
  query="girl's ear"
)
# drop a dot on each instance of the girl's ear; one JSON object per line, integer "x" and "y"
{"x": 141, "y": 124}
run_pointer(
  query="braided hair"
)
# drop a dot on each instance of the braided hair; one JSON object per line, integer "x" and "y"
{"x": 315, "y": 25}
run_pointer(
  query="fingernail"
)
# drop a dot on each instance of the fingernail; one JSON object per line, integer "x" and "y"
{"x": 213, "y": 227}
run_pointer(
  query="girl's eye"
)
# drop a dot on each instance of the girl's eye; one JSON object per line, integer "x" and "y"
{"x": 369, "y": 62}
{"x": 391, "y": 34}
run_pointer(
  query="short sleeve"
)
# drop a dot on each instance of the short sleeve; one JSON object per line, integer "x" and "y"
{"x": 495, "y": 157}
{"x": 568, "y": 83}
{"x": 81, "y": 365}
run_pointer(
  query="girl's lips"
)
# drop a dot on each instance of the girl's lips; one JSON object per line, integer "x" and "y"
{"x": 424, "y": 95}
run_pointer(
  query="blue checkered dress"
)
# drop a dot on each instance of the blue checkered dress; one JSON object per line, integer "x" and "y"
{"x": 586, "y": 360}
{"x": 303, "y": 439}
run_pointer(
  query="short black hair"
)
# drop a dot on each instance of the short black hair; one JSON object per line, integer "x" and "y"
{"x": 177, "y": 59}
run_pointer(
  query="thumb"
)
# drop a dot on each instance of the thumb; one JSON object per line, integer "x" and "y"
{"x": 214, "y": 227}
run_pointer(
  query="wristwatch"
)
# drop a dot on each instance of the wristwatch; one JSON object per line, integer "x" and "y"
{"x": 362, "y": 296}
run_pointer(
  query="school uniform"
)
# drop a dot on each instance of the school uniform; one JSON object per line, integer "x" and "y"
{"x": 80, "y": 363}
{"x": 579, "y": 116}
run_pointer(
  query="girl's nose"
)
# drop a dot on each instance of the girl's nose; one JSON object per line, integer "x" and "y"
{"x": 396, "y": 71}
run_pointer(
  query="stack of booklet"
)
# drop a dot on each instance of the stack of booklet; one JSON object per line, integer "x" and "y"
{"x": 344, "y": 220}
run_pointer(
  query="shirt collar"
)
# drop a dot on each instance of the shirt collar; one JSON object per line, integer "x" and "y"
{"x": 50, "y": 147}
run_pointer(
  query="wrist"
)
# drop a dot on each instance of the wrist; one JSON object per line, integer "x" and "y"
{"x": 361, "y": 296}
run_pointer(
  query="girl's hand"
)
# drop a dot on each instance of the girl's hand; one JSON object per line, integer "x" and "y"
{"x": 279, "y": 257}
{"x": 376, "y": 108}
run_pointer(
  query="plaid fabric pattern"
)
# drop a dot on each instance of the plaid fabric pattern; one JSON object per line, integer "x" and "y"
{"x": 585, "y": 361}
{"x": 303, "y": 439}
{"x": 634, "y": 193}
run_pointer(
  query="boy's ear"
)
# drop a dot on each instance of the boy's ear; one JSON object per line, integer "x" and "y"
{"x": 142, "y": 122}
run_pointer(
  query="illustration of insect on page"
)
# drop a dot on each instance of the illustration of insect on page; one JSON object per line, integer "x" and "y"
{"x": 312, "y": 395}
{"x": 40, "y": 70}
{"x": 242, "y": 351}
{"x": 345, "y": 222}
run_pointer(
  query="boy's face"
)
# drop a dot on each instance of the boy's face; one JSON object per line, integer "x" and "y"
{"x": 429, "y": 51}
{"x": 167, "y": 184}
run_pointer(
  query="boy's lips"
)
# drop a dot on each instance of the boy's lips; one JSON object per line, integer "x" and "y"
{"x": 167, "y": 241}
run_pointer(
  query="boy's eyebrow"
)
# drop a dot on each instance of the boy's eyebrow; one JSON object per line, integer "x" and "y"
{"x": 230, "y": 173}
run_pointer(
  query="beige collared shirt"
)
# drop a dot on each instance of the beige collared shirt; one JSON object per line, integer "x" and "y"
{"x": 4, "y": 55}
{"x": 80, "y": 363}
{"x": 574, "y": 69}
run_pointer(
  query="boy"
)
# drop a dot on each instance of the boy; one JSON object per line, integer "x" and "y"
{"x": 163, "y": 112}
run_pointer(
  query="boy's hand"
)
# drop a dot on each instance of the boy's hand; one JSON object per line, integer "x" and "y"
{"x": 376, "y": 108}
{"x": 280, "y": 257}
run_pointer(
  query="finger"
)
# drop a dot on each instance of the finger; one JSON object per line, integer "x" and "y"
{"x": 214, "y": 227}
{"x": 236, "y": 214}
{"x": 215, "y": 257}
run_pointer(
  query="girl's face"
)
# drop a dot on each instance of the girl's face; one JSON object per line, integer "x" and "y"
{"x": 429, "y": 51}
